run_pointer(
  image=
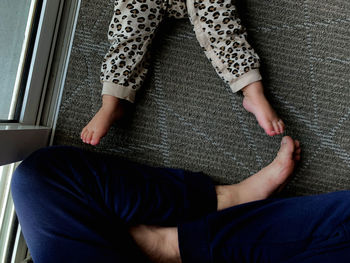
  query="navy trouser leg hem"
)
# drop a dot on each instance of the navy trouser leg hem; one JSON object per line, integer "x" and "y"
{"x": 193, "y": 242}
{"x": 200, "y": 195}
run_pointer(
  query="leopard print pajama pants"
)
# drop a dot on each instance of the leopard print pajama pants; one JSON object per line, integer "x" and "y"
{"x": 217, "y": 28}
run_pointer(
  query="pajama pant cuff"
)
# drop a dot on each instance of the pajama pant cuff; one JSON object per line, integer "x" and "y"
{"x": 244, "y": 80}
{"x": 119, "y": 91}
{"x": 193, "y": 242}
{"x": 200, "y": 196}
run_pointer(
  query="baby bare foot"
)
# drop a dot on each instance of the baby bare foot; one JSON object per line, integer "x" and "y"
{"x": 255, "y": 102}
{"x": 98, "y": 127}
{"x": 262, "y": 184}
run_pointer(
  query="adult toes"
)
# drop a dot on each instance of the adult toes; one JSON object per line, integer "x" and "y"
{"x": 297, "y": 157}
{"x": 287, "y": 146}
{"x": 297, "y": 151}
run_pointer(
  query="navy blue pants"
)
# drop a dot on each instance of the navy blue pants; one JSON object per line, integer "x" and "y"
{"x": 76, "y": 206}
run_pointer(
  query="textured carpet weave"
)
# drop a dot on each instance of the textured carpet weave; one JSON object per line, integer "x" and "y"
{"x": 186, "y": 117}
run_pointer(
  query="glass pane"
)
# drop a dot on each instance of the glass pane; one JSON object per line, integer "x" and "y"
{"x": 5, "y": 179}
{"x": 3, "y": 196}
{"x": 6, "y": 210}
{"x": 16, "y": 18}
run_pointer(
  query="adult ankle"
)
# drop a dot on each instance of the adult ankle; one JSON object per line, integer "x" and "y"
{"x": 160, "y": 244}
{"x": 170, "y": 248}
{"x": 227, "y": 196}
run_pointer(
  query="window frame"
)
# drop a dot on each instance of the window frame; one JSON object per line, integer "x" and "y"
{"x": 45, "y": 81}
{"x": 39, "y": 70}
{"x": 26, "y": 135}
{"x": 26, "y": 52}
{"x": 35, "y": 127}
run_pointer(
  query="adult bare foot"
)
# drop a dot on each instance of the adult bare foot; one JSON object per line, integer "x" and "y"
{"x": 255, "y": 102}
{"x": 98, "y": 127}
{"x": 160, "y": 244}
{"x": 262, "y": 184}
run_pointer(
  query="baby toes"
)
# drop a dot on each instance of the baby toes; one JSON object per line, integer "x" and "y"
{"x": 275, "y": 127}
{"x": 95, "y": 138}
{"x": 89, "y": 136}
{"x": 269, "y": 128}
{"x": 281, "y": 126}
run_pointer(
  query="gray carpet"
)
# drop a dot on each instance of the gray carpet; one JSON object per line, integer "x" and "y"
{"x": 186, "y": 117}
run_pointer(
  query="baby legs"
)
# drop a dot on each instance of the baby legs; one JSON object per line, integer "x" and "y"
{"x": 219, "y": 32}
{"x": 224, "y": 40}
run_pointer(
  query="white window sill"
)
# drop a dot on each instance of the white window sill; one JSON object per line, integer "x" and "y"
{"x": 18, "y": 141}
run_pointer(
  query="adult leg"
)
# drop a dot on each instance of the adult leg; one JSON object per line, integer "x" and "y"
{"x": 79, "y": 201}
{"x": 76, "y": 206}
{"x": 161, "y": 244}
{"x": 303, "y": 229}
